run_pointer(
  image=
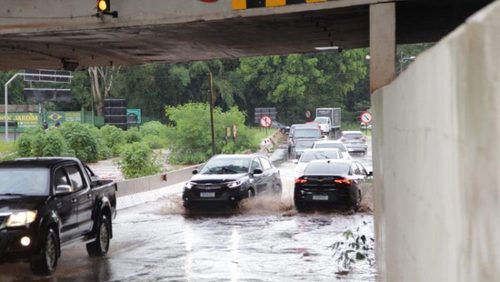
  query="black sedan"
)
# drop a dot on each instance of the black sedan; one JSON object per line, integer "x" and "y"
{"x": 331, "y": 183}
{"x": 227, "y": 179}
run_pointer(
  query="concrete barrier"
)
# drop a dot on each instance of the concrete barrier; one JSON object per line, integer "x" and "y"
{"x": 153, "y": 182}
{"x": 437, "y": 161}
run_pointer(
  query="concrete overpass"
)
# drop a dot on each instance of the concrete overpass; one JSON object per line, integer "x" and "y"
{"x": 436, "y": 208}
{"x": 61, "y": 34}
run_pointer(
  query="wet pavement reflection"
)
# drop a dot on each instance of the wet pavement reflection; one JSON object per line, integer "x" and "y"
{"x": 264, "y": 240}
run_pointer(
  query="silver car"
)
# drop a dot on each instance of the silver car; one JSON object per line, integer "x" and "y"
{"x": 355, "y": 141}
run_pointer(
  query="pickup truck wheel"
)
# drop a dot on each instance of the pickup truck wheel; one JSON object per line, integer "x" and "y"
{"x": 100, "y": 246}
{"x": 45, "y": 262}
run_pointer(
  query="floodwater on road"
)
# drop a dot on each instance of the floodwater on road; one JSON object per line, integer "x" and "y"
{"x": 264, "y": 240}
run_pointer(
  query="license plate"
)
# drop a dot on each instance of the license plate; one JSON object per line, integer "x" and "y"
{"x": 207, "y": 194}
{"x": 320, "y": 197}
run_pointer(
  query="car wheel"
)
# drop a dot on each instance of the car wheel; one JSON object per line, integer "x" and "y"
{"x": 45, "y": 262}
{"x": 357, "y": 203}
{"x": 278, "y": 190}
{"x": 250, "y": 193}
{"x": 299, "y": 206}
{"x": 100, "y": 246}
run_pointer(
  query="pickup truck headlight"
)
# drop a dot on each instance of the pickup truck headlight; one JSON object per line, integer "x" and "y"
{"x": 21, "y": 218}
{"x": 235, "y": 184}
{"x": 189, "y": 185}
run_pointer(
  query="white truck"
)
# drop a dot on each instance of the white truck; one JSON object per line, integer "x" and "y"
{"x": 329, "y": 120}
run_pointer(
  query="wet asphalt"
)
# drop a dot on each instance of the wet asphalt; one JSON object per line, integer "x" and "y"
{"x": 264, "y": 240}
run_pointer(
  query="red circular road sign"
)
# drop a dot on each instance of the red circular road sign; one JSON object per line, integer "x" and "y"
{"x": 266, "y": 121}
{"x": 366, "y": 117}
{"x": 308, "y": 114}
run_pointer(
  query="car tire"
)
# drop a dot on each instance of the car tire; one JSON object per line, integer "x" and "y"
{"x": 45, "y": 262}
{"x": 299, "y": 206}
{"x": 357, "y": 204}
{"x": 250, "y": 193}
{"x": 278, "y": 191}
{"x": 100, "y": 246}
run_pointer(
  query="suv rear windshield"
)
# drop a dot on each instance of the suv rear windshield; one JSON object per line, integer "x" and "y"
{"x": 331, "y": 145}
{"x": 321, "y": 168}
{"x": 352, "y": 135}
{"x": 307, "y": 133}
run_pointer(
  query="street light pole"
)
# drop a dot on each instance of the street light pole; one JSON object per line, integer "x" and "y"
{"x": 6, "y": 99}
{"x": 211, "y": 102}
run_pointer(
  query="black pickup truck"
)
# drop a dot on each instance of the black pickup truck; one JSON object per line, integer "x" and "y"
{"x": 46, "y": 203}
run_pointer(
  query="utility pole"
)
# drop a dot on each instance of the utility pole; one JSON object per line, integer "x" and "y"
{"x": 211, "y": 102}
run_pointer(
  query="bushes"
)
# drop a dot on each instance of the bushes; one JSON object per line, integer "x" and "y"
{"x": 39, "y": 143}
{"x": 79, "y": 138}
{"x": 190, "y": 140}
{"x": 113, "y": 137}
{"x": 137, "y": 160}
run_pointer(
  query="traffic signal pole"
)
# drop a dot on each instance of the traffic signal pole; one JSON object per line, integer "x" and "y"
{"x": 211, "y": 102}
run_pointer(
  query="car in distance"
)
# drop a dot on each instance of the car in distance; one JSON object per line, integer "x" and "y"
{"x": 355, "y": 141}
{"x": 303, "y": 136}
{"x": 333, "y": 144}
{"x": 227, "y": 179}
{"x": 331, "y": 183}
{"x": 324, "y": 123}
{"x": 315, "y": 154}
{"x": 46, "y": 203}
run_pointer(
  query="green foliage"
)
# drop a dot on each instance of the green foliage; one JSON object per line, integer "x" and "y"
{"x": 137, "y": 160}
{"x": 133, "y": 135}
{"x": 103, "y": 150}
{"x": 153, "y": 128}
{"x": 190, "y": 140}
{"x": 79, "y": 138}
{"x": 352, "y": 248}
{"x": 113, "y": 138}
{"x": 54, "y": 144}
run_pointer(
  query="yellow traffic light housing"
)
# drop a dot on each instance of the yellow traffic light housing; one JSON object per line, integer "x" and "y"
{"x": 103, "y": 6}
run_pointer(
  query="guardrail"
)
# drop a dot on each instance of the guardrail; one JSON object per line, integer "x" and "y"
{"x": 153, "y": 182}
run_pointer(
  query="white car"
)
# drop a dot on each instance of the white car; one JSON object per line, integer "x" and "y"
{"x": 323, "y": 144}
{"x": 324, "y": 124}
{"x": 315, "y": 154}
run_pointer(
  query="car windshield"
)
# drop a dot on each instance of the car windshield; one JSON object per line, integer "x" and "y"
{"x": 322, "y": 168}
{"x": 307, "y": 133}
{"x": 226, "y": 166}
{"x": 352, "y": 135}
{"x": 304, "y": 145}
{"x": 330, "y": 145}
{"x": 318, "y": 155}
{"x": 321, "y": 119}
{"x": 24, "y": 182}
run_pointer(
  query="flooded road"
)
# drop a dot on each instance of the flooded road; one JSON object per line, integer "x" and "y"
{"x": 264, "y": 240}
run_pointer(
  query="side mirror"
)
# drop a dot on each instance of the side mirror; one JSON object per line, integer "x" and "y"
{"x": 195, "y": 171}
{"x": 94, "y": 180}
{"x": 257, "y": 171}
{"x": 295, "y": 161}
{"x": 64, "y": 189}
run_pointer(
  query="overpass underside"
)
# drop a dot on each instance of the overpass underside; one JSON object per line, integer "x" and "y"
{"x": 41, "y": 43}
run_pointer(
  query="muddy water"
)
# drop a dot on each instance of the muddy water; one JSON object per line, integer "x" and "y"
{"x": 265, "y": 239}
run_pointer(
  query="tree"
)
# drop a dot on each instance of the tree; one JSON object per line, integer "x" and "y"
{"x": 101, "y": 82}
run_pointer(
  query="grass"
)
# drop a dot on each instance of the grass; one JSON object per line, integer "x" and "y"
{"x": 7, "y": 149}
{"x": 260, "y": 133}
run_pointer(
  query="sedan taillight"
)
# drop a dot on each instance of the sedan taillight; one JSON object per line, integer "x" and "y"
{"x": 343, "y": 181}
{"x": 300, "y": 181}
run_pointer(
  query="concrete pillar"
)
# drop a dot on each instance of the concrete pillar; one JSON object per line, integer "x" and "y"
{"x": 382, "y": 44}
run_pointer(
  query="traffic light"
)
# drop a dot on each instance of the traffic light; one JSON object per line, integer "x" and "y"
{"x": 103, "y": 6}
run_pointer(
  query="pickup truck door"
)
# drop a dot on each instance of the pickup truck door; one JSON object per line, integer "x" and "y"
{"x": 84, "y": 198}
{"x": 66, "y": 207}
